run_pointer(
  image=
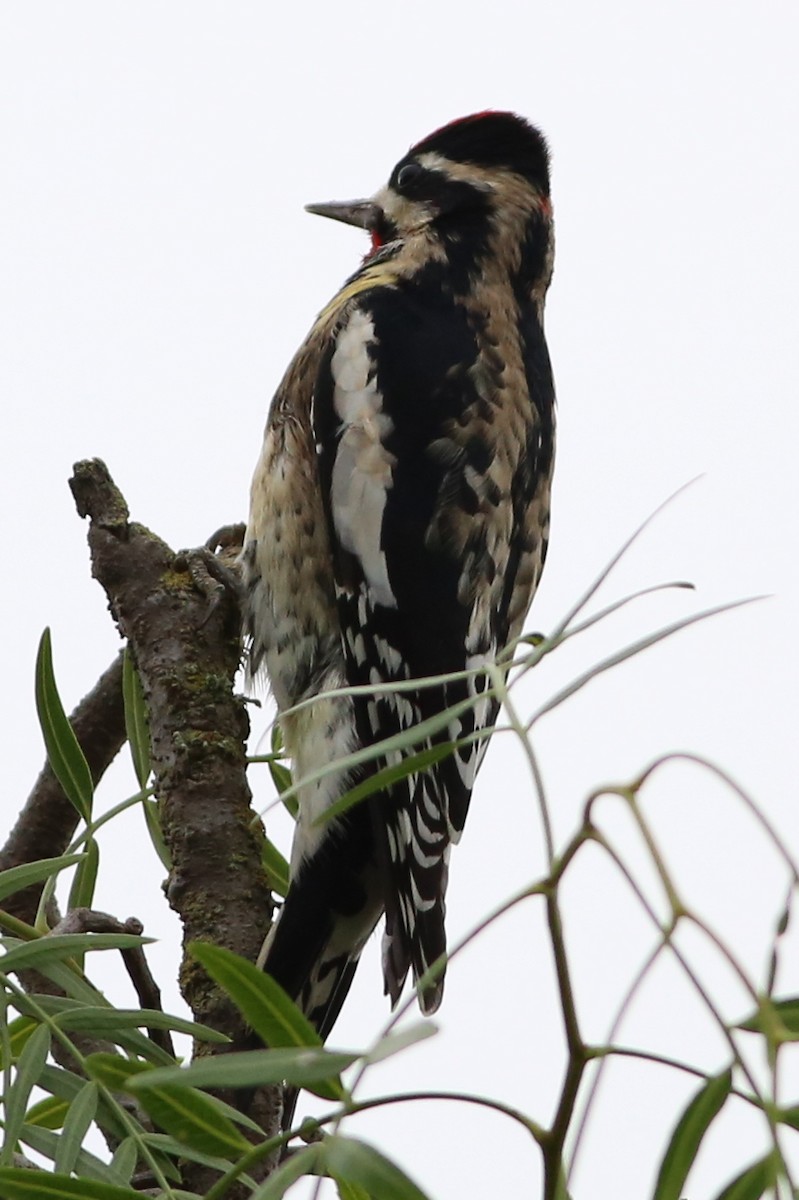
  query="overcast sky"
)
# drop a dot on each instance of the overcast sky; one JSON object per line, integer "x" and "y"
{"x": 158, "y": 272}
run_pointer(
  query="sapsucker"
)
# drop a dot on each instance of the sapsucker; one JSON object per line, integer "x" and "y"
{"x": 398, "y": 527}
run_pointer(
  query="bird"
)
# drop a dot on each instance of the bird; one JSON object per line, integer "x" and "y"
{"x": 398, "y": 526}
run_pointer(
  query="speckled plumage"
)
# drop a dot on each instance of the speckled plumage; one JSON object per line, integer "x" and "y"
{"x": 398, "y": 527}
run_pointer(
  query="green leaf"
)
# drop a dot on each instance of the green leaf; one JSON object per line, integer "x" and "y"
{"x": 118, "y": 1024}
{"x": 29, "y": 1069}
{"x": 17, "y": 878}
{"x": 763, "y": 1021}
{"x": 304, "y": 1066}
{"x": 281, "y": 775}
{"x": 63, "y": 751}
{"x": 395, "y": 1043}
{"x": 283, "y": 781}
{"x": 114, "y": 1071}
{"x": 81, "y": 894}
{"x": 80, "y": 1116}
{"x": 20, "y": 1183}
{"x": 267, "y": 1008}
{"x": 49, "y": 1113}
{"x": 47, "y": 1141}
{"x": 165, "y": 1145}
{"x": 790, "y": 1116}
{"x": 274, "y": 1017}
{"x": 194, "y": 1119}
{"x": 63, "y": 974}
{"x": 411, "y": 764}
{"x": 413, "y": 736}
{"x": 64, "y": 945}
{"x": 351, "y": 1191}
{"x": 19, "y": 1031}
{"x": 152, "y": 818}
{"x": 302, "y": 1162}
{"x": 191, "y": 1117}
{"x": 357, "y": 1163}
{"x": 136, "y": 723}
{"x": 66, "y": 1086}
{"x": 125, "y": 1158}
{"x": 630, "y": 651}
{"x": 687, "y": 1137}
{"x": 752, "y": 1183}
{"x": 107, "y": 1021}
{"x": 275, "y": 868}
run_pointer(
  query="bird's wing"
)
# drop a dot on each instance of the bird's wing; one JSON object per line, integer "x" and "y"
{"x": 418, "y": 485}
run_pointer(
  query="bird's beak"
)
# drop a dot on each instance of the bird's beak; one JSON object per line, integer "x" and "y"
{"x": 363, "y": 213}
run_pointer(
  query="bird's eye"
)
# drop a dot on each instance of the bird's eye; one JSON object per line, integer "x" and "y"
{"x": 408, "y": 175}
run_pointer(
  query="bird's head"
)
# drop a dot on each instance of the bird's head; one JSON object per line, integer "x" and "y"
{"x": 470, "y": 186}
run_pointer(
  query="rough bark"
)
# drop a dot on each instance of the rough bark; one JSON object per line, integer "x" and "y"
{"x": 183, "y": 629}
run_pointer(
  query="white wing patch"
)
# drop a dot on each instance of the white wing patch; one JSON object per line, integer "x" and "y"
{"x": 362, "y": 470}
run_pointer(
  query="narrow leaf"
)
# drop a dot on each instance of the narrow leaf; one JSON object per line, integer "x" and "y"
{"x": 786, "y": 1011}
{"x": 283, "y": 781}
{"x": 19, "y": 1031}
{"x": 251, "y": 1068}
{"x": 301, "y": 1163}
{"x": 81, "y": 894}
{"x": 413, "y": 736}
{"x": 125, "y": 1158}
{"x": 272, "y": 1014}
{"x": 16, "y": 878}
{"x": 63, "y": 974}
{"x": 165, "y": 1145}
{"x": 46, "y": 1142}
{"x": 64, "y": 945}
{"x": 66, "y": 1086}
{"x": 687, "y": 1137}
{"x": 191, "y": 1117}
{"x": 63, "y": 751}
{"x": 275, "y": 1018}
{"x": 29, "y": 1069}
{"x": 789, "y": 1116}
{"x": 394, "y": 1043}
{"x": 114, "y": 1071}
{"x": 136, "y": 723}
{"x": 81, "y": 1114}
{"x": 19, "y": 1183}
{"x": 49, "y": 1113}
{"x": 630, "y": 651}
{"x": 275, "y": 868}
{"x": 351, "y": 1191}
{"x": 108, "y": 1020}
{"x": 152, "y": 819}
{"x": 281, "y": 775}
{"x": 412, "y": 764}
{"x": 752, "y": 1183}
{"x": 117, "y": 1024}
{"x": 358, "y": 1163}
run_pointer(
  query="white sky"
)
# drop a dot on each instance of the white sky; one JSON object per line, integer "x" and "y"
{"x": 158, "y": 273}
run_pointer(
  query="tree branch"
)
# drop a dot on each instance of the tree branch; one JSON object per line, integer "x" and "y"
{"x": 187, "y": 651}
